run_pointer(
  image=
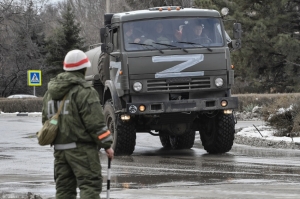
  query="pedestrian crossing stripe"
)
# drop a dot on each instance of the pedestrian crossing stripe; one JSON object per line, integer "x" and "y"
{"x": 34, "y": 77}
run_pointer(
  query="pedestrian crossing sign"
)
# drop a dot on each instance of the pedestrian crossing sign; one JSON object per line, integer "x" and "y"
{"x": 34, "y": 77}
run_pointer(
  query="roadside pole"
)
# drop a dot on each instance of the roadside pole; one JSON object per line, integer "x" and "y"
{"x": 107, "y": 6}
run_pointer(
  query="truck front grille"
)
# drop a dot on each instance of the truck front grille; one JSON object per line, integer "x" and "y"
{"x": 163, "y": 85}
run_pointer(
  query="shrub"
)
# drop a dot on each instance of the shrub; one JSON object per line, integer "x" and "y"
{"x": 248, "y": 101}
{"x": 284, "y": 115}
{"x": 21, "y": 105}
{"x": 249, "y": 107}
{"x": 281, "y": 111}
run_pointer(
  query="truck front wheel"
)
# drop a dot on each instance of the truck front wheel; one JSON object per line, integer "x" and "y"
{"x": 217, "y": 133}
{"x": 124, "y": 133}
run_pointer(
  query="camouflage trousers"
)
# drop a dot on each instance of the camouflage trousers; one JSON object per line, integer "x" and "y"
{"x": 79, "y": 167}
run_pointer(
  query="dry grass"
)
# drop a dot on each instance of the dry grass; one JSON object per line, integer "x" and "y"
{"x": 263, "y": 100}
{"x": 282, "y": 111}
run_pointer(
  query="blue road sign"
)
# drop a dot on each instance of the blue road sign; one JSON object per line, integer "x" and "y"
{"x": 34, "y": 77}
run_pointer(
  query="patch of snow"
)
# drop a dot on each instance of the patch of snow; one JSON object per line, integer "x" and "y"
{"x": 283, "y": 110}
{"x": 266, "y": 133}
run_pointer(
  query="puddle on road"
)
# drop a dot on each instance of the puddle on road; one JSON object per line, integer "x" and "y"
{"x": 139, "y": 181}
{"x": 21, "y": 120}
{"x": 27, "y": 189}
{"x": 20, "y": 148}
{"x": 14, "y": 149}
{"x": 28, "y": 195}
{"x": 5, "y": 156}
{"x": 31, "y": 135}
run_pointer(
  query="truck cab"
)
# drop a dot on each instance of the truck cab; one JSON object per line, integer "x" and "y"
{"x": 167, "y": 72}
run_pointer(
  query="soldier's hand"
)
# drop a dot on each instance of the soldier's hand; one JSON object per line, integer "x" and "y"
{"x": 110, "y": 153}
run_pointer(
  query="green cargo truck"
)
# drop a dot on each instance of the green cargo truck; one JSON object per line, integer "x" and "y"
{"x": 156, "y": 74}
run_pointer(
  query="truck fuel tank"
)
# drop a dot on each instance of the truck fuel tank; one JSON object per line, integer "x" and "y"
{"x": 93, "y": 55}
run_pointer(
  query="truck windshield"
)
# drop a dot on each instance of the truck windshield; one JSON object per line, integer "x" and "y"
{"x": 180, "y": 32}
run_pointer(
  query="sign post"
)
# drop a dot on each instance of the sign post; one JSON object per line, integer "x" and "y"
{"x": 34, "y": 78}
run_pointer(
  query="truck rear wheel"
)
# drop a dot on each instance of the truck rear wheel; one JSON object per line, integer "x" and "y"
{"x": 124, "y": 133}
{"x": 185, "y": 141}
{"x": 217, "y": 133}
{"x": 164, "y": 139}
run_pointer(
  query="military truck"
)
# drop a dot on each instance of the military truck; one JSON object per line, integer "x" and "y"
{"x": 170, "y": 84}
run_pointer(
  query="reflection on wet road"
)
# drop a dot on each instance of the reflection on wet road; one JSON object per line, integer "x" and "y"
{"x": 152, "y": 172}
{"x": 153, "y": 168}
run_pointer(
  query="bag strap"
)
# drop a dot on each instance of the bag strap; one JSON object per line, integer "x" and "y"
{"x": 60, "y": 107}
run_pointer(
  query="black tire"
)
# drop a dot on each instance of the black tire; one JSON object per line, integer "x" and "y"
{"x": 99, "y": 87}
{"x": 185, "y": 141}
{"x": 124, "y": 133}
{"x": 103, "y": 67}
{"x": 217, "y": 133}
{"x": 164, "y": 139}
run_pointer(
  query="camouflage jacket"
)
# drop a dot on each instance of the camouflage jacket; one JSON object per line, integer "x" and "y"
{"x": 81, "y": 119}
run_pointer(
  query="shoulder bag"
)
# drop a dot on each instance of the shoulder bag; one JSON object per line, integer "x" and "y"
{"x": 49, "y": 130}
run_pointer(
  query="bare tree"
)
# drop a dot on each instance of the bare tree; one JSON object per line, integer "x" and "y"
{"x": 21, "y": 41}
{"x": 144, "y": 4}
{"x": 90, "y": 15}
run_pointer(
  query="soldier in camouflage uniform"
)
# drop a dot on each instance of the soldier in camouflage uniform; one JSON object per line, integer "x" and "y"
{"x": 82, "y": 130}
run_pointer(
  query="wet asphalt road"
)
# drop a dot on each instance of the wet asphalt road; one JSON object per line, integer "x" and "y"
{"x": 152, "y": 172}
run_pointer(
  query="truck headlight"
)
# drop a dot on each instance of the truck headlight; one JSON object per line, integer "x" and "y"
{"x": 137, "y": 86}
{"x": 219, "y": 82}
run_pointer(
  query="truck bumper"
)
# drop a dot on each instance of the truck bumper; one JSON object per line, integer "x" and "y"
{"x": 191, "y": 105}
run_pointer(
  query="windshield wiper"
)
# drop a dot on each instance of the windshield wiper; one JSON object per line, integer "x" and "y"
{"x": 169, "y": 45}
{"x": 184, "y": 42}
{"x": 148, "y": 45}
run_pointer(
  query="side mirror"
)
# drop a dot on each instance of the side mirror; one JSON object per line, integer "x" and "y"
{"x": 102, "y": 35}
{"x": 237, "y": 31}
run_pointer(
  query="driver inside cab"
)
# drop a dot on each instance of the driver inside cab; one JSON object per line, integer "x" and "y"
{"x": 198, "y": 35}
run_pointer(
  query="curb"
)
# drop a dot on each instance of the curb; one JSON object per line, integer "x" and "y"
{"x": 261, "y": 142}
